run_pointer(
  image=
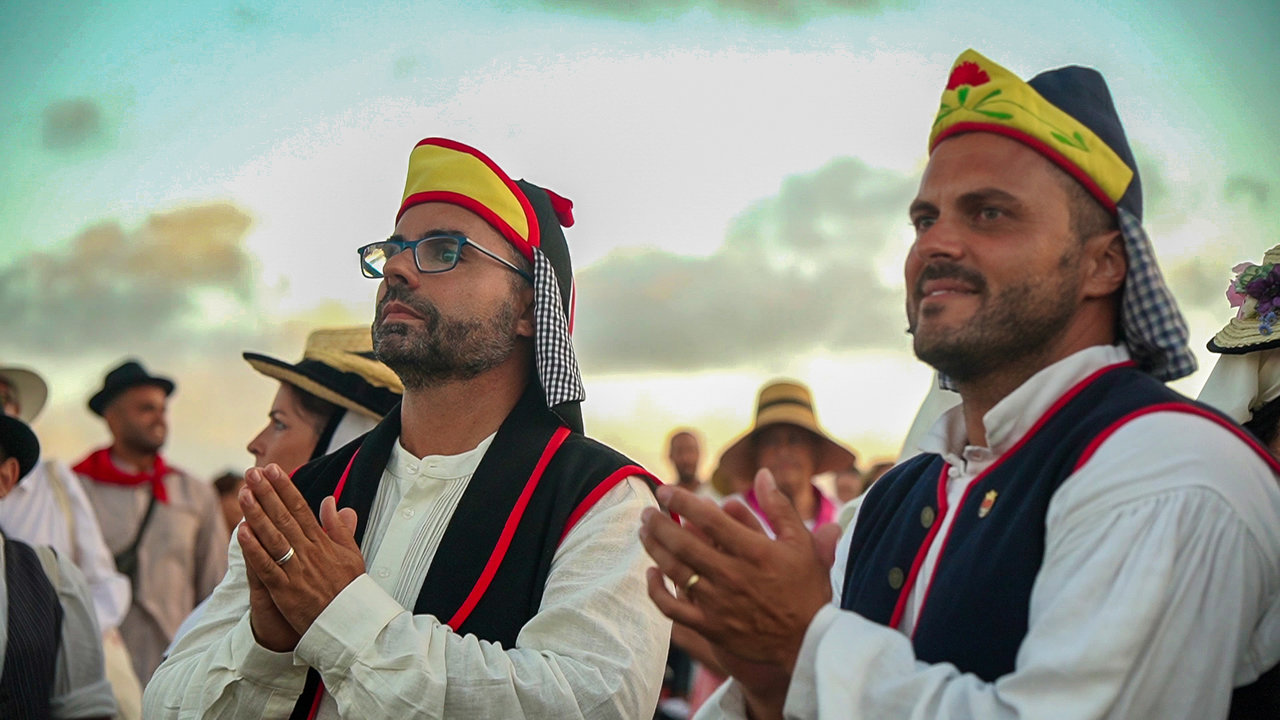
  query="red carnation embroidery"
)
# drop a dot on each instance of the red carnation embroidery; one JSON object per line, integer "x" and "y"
{"x": 967, "y": 73}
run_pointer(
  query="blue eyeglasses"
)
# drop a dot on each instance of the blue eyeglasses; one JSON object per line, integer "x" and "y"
{"x": 432, "y": 254}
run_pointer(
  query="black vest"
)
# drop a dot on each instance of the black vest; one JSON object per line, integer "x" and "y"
{"x": 35, "y": 628}
{"x": 975, "y": 614}
{"x": 487, "y": 577}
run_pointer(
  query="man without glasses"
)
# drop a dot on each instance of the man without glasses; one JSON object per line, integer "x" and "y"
{"x": 1075, "y": 540}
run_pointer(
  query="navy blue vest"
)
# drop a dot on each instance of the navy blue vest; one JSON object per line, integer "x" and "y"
{"x": 35, "y": 628}
{"x": 975, "y": 613}
{"x": 480, "y": 583}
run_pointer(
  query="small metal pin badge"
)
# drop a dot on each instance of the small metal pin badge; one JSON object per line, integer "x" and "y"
{"x": 987, "y": 501}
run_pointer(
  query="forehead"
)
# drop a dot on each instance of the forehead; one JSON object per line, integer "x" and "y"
{"x": 980, "y": 160}
{"x": 684, "y": 439}
{"x": 426, "y": 217}
{"x": 140, "y": 394}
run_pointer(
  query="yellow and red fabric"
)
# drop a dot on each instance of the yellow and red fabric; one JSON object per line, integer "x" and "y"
{"x": 442, "y": 170}
{"x": 983, "y": 96}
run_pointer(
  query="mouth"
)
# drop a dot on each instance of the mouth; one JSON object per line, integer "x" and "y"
{"x": 398, "y": 312}
{"x": 944, "y": 288}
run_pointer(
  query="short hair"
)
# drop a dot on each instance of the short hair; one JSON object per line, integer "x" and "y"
{"x": 1088, "y": 216}
{"x": 1265, "y": 422}
{"x": 227, "y": 483}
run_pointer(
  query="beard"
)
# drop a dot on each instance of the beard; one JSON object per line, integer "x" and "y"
{"x": 1012, "y": 326}
{"x": 443, "y": 349}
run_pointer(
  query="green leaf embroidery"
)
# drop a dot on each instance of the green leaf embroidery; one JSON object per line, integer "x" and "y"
{"x": 994, "y": 114}
{"x": 962, "y": 93}
{"x": 1060, "y": 137}
{"x": 987, "y": 97}
{"x": 1080, "y": 139}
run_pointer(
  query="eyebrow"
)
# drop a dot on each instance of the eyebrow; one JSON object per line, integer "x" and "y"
{"x": 967, "y": 201}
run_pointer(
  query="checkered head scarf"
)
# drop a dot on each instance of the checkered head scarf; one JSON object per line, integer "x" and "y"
{"x": 1068, "y": 117}
{"x": 530, "y": 218}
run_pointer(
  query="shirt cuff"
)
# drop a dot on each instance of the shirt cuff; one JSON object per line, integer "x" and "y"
{"x": 346, "y": 628}
{"x": 728, "y": 702}
{"x": 262, "y": 666}
{"x": 802, "y": 694}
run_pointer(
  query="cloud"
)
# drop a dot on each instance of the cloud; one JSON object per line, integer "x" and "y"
{"x": 179, "y": 273}
{"x": 71, "y": 123}
{"x": 1245, "y": 188}
{"x": 778, "y": 12}
{"x": 800, "y": 271}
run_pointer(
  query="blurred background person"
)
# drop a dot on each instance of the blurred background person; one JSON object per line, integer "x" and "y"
{"x": 163, "y": 526}
{"x": 49, "y": 507}
{"x": 684, "y": 451}
{"x": 849, "y": 483}
{"x": 49, "y": 638}
{"x": 787, "y": 440}
{"x": 336, "y": 393}
{"x": 227, "y": 486}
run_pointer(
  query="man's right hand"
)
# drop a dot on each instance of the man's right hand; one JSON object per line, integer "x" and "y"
{"x": 270, "y": 629}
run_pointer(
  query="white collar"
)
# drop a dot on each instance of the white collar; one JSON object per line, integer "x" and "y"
{"x": 1016, "y": 413}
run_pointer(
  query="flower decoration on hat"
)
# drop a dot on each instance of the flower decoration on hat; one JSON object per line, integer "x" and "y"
{"x": 1256, "y": 291}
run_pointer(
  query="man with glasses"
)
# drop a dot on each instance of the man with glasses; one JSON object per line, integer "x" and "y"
{"x": 478, "y": 555}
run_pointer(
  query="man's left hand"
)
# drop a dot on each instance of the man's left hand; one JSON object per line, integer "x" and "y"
{"x": 754, "y": 597}
{"x": 278, "y": 521}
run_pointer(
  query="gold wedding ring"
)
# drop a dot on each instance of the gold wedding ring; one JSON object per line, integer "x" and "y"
{"x": 286, "y": 557}
{"x": 693, "y": 580}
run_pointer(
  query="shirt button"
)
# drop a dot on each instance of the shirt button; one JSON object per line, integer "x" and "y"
{"x": 383, "y": 572}
{"x": 895, "y": 578}
{"x": 413, "y": 469}
{"x": 407, "y": 512}
{"x": 926, "y": 516}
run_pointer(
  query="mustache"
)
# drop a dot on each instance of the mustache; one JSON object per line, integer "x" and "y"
{"x": 941, "y": 270}
{"x": 401, "y": 294}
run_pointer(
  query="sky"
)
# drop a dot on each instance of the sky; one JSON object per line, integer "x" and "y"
{"x": 187, "y": 181}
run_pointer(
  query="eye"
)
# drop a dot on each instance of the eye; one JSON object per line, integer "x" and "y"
{"x": 279, "y": 426}
{"x": 991, "y": 213}
{"x": 923, "y": 222}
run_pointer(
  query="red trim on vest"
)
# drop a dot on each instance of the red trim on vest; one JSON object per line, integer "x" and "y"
{"x": 337, "y": 493}
{"x": 901, "y": 605}
{"x": 508, "y": 531}
{"x": 605, "y": 486}
{"x": 942, "y": 495}
{"x": 342, "y": 481}
{"x": 1039, "y": 146}
{"x": 1183, "y": 408}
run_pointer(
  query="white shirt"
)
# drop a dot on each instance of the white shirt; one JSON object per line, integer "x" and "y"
{"x": 1159, "y": 590}
{"x": 595, "y": 649}
{"x": 80, "y": 687}
{"x": 32, "y": 513}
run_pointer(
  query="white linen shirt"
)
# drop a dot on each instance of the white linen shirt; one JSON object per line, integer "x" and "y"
{"x": 1159, "y": 590}
{"x": 595, "y": 649}
{"x": 31, "y": 513}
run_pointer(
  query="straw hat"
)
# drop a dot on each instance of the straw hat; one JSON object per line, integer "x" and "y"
{"x": 781, "y": 402}
{"x": 338, "y": 365}
{"x": 31, "y": 389}
{"x": 1251, "y": 330}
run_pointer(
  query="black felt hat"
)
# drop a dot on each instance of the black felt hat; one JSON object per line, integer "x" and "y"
{"x": 19, "y": 442}
{"x": 128, "y": 375}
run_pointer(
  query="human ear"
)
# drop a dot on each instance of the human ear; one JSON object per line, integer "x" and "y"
{"x": 1106, "y": 264}
{"x": 8, "y": 475}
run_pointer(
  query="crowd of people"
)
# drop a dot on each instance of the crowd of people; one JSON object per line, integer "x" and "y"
{"x": 427, "y": 530}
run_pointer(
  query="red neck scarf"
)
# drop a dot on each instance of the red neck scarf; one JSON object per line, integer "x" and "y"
{"x": 99, "y": 467}
{"x": 826, "y": 509}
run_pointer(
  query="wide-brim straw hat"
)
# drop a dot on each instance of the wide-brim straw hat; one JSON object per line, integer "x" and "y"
{"x": 31, "y": 389}
{"x": 1247, "y": 332}
{"x": 782, "y": 402}
{"x": 338, "y": 365}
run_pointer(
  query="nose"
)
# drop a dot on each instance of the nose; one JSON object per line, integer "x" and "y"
{"x": 255, "y": 446}
{"x": 942, "y": 239}
{"x": 401, "y": 269}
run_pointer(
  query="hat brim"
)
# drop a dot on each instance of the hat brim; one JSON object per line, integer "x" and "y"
{"x": 99, "y": 402}
{"x": 31, "y": 388}
{"x": 19, "y": 442}
{"x": 738, "y": 460}
{"x": 1241, "y": 336}
{"x": 326, "y": 383}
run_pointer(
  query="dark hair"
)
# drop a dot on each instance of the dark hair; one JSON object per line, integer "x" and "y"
{"x": 1088, "y": 216}
{"x": 1265, "y": 422}
{"x": 318, "y": 408}
{"x": 227, "y": 483}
